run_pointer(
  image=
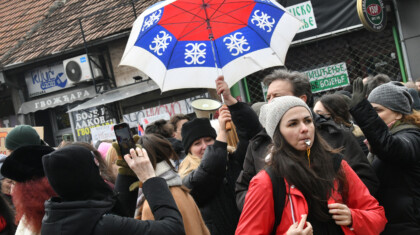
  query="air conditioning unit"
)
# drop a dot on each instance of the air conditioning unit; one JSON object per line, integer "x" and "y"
{"x": 77, "y": 69}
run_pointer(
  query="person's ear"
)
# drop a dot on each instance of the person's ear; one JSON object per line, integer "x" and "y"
{"x": 399, "y": 116}
{"x": 304, "y": 98}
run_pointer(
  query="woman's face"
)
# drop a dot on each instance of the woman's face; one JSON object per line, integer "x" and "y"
{"x": 321, "y": 110}
{"x": 199, "y": 146}
{"x": 296, "y": 127}
{"x": 387, "y": 115}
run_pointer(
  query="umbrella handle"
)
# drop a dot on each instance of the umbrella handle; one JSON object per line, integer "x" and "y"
{"x": 228, "y": 124}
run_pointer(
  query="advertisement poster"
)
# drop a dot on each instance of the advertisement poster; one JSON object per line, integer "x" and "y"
{"x": 86, "y": 119}
{"x": 46, "y": 79}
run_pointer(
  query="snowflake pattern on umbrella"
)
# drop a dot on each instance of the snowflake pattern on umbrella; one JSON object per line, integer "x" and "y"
{"x": 263, "y": 20}
{"x": 192, "y": 39}
{"x": 160, "y": 43}
{"x": 195, "y": 53}
{"x": 238, "y": 45}
{"x": 151, "y": 20}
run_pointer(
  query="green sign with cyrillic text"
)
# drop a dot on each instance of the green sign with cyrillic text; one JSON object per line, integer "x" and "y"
{"x": 328, "y": 77}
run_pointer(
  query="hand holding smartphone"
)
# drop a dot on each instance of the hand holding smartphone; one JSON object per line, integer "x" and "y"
{"x": 124, "y": 138}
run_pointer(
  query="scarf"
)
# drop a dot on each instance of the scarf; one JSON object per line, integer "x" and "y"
{"x": 163, "y": 170}
{"x": 189, "y": 164}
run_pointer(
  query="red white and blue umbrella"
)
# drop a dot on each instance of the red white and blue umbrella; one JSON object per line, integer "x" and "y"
{"x": 188, "y": 43}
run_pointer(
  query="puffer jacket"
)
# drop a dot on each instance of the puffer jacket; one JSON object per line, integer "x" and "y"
{"x": 94, "y": 217}
{"x": 331, "y": 132}
{"x": 397, "y": 165}
{"x": 368, "y": 217}
{"x": 212, "y": 184}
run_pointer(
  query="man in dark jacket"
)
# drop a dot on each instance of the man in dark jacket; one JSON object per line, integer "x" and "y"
{"x": 86, "y": 204}
{"x": 281, "y": 83}
{"x": 211, "y": 174}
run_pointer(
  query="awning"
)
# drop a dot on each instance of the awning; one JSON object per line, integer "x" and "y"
{"x": 117, "y": 94}
{"x": 58, "y": 99}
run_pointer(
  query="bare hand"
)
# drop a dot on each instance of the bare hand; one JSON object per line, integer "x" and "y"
{"x": 297, "y": 228}
{"x": 224, "y": 116}
{"x": 140, "y": 163}
{"x": 223, "y": 88}
{"x": 340, "y": 213}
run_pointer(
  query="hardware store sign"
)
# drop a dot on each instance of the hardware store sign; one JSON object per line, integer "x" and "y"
{"x": 328, "y": 77}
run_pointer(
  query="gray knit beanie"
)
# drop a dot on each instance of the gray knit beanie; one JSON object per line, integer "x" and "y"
{"x": 272, "y": 113}
{"x": 394, "y": 96}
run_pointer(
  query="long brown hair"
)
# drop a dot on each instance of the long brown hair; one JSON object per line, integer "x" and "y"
{"x": 315, "y": 182}
{"x": 158, "y": 148}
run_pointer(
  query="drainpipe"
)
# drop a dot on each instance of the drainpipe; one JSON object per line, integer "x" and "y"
{"x": 401, "y": 41}
{"x": 399, "y": 54}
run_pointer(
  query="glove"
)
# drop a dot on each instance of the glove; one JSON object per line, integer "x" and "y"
{"x": 124, "y": 169}
{"x": 359, "y": 92}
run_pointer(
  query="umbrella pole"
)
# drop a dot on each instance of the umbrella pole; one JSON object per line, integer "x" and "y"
{"x": 211, "y": 37}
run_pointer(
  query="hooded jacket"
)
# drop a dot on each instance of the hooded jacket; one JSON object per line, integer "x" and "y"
{"x": 86, "y": 205}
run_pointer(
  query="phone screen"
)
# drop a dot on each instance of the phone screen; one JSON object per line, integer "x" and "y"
{"x": 124, "y": 138}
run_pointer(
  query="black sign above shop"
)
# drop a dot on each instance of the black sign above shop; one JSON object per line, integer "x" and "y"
{"x": 321, "y": 18}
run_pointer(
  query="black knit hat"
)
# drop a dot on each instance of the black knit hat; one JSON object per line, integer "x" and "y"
{"x": 74, "y": 175}
{"x": 25, "y": 163}
{"x": 196, "y": 129}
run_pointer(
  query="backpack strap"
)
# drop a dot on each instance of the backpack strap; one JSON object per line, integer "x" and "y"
{"x": 279, "y": 190}
{"x": 279, "y": 196}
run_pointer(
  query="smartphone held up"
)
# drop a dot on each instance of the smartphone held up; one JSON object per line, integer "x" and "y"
{"x": 124, "y": 138}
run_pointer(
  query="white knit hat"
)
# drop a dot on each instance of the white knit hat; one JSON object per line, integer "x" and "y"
{"x": 272, "y": 113}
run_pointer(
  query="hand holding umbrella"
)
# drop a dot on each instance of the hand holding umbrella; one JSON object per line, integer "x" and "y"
{"x": 223, "y": 90}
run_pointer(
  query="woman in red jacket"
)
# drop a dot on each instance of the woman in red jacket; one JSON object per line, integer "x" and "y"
{"x": 320, "y": 199}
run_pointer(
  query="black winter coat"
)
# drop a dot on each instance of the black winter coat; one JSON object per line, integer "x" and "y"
{"x": 93, "y": 217}
{"x": 331, "y": 132}
{"x": 397, "y": 164}
{"x": 212, "y": 184}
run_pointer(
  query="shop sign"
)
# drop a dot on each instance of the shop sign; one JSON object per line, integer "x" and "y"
{"x": 372, "y": 13}
{"x": 5, "y": 131}
{"x": 176, "y": 107}
{"x": 328, "y": 77}
{"x": 46, "y": 79}
{"x": 86, "y": 119}
{"x": 304, "y": 12}
{"x": 102, "y": 133}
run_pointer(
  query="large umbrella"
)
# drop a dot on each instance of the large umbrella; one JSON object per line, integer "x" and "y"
{"x": 188, "y": 43}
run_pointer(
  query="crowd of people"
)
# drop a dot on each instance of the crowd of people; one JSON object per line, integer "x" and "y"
{"x": 346, "y": 162}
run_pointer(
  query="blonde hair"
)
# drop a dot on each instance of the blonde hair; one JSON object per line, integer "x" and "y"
{"x": 111, "y": 157}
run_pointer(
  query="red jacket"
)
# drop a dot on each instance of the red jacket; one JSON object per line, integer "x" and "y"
{"x": 258, "y": 214}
